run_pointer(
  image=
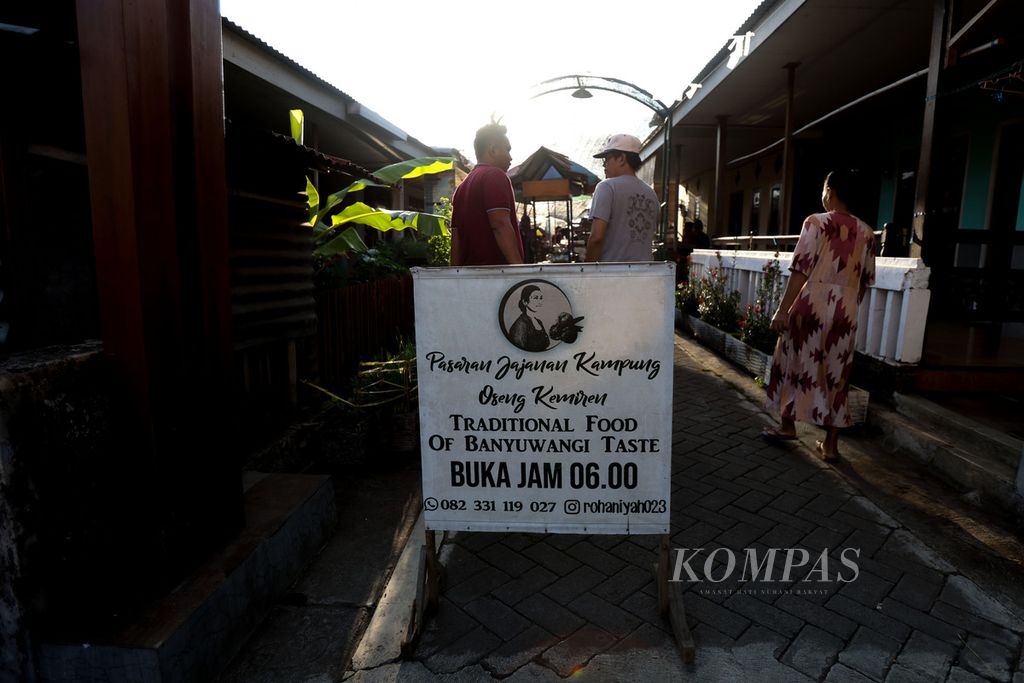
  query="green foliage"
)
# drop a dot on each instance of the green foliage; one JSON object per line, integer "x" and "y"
{"x": 755, "y": 324}
{"x": 686, "y": 296}
{"x": 341, "y": 256}
{"x": 297, "y": 121}
{"x": 332, "y": 239}
{"x": 338, "y": 270}
{"x": 339, "y": 241}
{"x": 439, "y": 251}
{"x": 439, "y": 247}
{"x": 318, "y": 212}
{"x": 348, "y": 241}
{"x": 386, "y": 384}
{"x": 389, "y": 386}
{"x": 443, "y": 208}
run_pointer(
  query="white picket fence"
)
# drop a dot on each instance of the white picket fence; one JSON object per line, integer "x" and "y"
{"x": 891, "y": 319}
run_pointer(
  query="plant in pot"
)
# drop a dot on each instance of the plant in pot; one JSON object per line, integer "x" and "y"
{"x": 755, "y": 324}
{"x": 717, "y": 304}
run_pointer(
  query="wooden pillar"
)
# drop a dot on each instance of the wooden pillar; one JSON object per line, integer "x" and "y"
{"x": 671, "y": 194}
{"x": 152, "y": 92}
{"x": 785, "y": 207}
{"x": 924, "y": 163}
{"x": 677, "y": 215}
{"x": 720, "y": 200}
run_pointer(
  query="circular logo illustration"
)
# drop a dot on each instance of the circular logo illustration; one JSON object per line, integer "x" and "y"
{"x": 536, "y": 315}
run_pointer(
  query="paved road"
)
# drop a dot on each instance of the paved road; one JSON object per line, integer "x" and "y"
{"x": 534, "y": 608}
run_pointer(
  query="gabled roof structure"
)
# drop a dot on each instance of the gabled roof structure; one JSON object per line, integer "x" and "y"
{"x": 546, "y": 164}
{"x": 265, "y": 84}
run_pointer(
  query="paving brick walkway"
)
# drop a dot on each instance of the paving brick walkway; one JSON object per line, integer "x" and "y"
{"x": 534, "y": 607}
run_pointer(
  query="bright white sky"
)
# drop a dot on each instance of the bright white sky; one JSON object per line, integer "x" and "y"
{"x": 439, "y": 70}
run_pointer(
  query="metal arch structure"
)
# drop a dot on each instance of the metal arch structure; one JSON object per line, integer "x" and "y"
{"x": 606, "y": 83}
{"x": 581, "y": 84}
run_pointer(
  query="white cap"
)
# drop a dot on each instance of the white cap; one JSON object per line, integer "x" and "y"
{"x": 620, "y": 143}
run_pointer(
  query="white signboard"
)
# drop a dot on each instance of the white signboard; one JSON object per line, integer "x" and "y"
{"x": 546, "y": 397}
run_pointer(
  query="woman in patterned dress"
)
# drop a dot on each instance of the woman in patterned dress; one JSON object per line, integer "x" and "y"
{"x": 833, "y": 265}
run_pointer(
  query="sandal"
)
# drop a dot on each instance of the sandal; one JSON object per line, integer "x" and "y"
{"x": 820, "y": 446}
{"x": 773, "y": 435}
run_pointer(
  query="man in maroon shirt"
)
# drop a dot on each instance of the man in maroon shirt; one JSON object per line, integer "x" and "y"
{"x": 484, "y": 206}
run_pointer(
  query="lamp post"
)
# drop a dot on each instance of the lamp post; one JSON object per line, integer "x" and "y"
{"x": 581, "y": 85}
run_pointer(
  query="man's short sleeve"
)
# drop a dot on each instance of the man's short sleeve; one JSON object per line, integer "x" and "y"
{"x": 601, "y": 204}
{"x": 498, "y": 192}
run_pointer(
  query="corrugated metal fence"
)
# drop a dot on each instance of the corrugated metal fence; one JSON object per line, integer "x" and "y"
{"x": 272, "y": 309}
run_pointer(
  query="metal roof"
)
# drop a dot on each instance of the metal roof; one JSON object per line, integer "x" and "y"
{"x": 536, "y": 166}
{"x": 844, "y": 50}
{"x": 262, "y": 84}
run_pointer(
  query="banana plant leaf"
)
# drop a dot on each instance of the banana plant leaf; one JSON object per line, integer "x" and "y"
{"x": 312, "y": 201}
{"x": 296, "y": 118}
{"x": 317, "y": 213}
{"x": 427, "y": 224}
{"x": 348, "y": 241}
{"x": 334, "y": 199}
{"x": 414, "y": 168}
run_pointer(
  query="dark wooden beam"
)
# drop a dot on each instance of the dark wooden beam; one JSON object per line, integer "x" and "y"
{"x": 720, "y": 163}
{"x": 154, "y": 126}
{"x": 924, "y": 164}
{"x": 787, "y": 151}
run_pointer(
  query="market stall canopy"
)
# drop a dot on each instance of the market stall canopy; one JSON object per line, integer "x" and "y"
{"x": 548, "y": 175}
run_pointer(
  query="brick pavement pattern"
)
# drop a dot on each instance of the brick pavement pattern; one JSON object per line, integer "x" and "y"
{"x": 535, "y": 607}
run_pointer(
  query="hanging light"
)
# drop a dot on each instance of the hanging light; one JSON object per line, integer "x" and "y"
{"x": 581, "y": 93}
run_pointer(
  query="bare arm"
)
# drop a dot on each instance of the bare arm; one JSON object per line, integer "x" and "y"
{"x": 456, "y": 252}
{"x": 505, "y": 235}
{"x": 781, "y": 318}
{"x": 595, "y": 245}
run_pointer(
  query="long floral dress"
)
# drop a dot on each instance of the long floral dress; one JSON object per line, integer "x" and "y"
{"x": 811, "y": 365}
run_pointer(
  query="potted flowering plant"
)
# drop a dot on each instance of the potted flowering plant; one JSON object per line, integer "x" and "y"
{"x": 717, "y": 304}
{"x": 755, "y": 323}
{"x": 713, "y": 307}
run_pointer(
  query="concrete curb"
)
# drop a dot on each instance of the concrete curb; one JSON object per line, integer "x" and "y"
{"x": 381, "y": 643}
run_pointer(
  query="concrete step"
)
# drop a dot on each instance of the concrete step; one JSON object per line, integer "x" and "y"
{"x": 189, "y": 634}
{"x": 958, "y": 429}
{"x": 980, "y": 462}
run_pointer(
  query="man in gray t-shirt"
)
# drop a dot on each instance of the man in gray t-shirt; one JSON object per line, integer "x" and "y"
{"x": 624, "y": 209}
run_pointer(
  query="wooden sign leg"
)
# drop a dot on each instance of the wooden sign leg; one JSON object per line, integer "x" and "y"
{"x": 670, "y": 604}
{"x": 428, "y": 589}
{"x": 434, "y": 573}
{"x": 662, "y": 576}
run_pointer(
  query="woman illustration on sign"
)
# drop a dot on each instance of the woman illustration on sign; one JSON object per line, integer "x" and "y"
{"x": 527, "y": 332}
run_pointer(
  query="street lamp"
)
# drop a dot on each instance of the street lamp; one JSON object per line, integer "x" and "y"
{"x": 581, "y": 85}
